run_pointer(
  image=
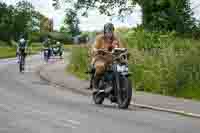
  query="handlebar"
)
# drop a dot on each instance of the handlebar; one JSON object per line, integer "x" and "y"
{"x": 102, "y": 50}
{"x": 115, "y": 49}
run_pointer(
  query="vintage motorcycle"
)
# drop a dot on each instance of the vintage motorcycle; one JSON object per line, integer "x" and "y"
{"x": 114, "y": 84}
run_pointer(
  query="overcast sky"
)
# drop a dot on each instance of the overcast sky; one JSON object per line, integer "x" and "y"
{"x": 94, "y": 20}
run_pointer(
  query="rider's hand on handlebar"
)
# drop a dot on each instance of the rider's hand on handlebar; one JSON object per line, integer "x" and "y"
{"x": 103, "y": 51}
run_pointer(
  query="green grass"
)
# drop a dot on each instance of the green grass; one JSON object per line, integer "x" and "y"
{"x": 68, "y": 47}
{"x": 34, "y": 48}
{"x": 7, "y": 52}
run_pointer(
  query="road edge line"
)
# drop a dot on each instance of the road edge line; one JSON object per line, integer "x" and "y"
{"x": 166, "y": 110}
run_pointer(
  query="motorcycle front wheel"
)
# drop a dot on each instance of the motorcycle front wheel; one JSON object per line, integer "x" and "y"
{"x": 98, "y": 97}
{"x": 124, "y": 92}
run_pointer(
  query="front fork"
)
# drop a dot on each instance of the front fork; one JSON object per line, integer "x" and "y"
{"x": 116, "y": 84}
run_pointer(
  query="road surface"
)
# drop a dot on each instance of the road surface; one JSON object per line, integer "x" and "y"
{"x": 31, "y": 105}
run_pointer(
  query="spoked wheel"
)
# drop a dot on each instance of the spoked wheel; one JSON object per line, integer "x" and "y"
{"x": 124, "y": 92}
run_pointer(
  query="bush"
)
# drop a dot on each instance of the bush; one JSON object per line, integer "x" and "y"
{"x": 142, "y": 39}
{"x": 62, "y": 37}
{"x": 3, "y": 43}
{"x": 35, "y": 37}
{"x": 188, "y": 74}
{"x": 79, "y": 61}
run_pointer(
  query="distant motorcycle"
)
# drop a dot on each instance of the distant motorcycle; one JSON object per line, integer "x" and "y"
{"x": 57, "y": 51}
{"x": 114, "y": 84}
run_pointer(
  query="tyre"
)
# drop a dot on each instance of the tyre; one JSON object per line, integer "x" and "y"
{"x": 124, "y": 92}
{"x": 21, "y": 63}
{"x": 98, "y": 98}
{"x": 60, "y": 54}
{"x": 20, "y": 67}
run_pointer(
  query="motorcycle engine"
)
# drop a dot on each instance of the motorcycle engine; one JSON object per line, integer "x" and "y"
{"x": 108, "y": 76}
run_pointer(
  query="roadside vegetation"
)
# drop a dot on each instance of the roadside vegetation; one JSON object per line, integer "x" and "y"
{"x": 161, "y": 63}
{"x": 7, "y": 52}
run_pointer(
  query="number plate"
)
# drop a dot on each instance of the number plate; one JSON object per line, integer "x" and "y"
{"x": 122, "y": 68}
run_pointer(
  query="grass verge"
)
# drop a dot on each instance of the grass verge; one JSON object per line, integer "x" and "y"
{"x": 78, "y": 62}
{"x": 7, "y": 52}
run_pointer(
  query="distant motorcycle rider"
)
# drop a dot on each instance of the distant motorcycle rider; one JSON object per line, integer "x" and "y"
{"x": 22, "y": 46}
{"x": 47, "y": 45}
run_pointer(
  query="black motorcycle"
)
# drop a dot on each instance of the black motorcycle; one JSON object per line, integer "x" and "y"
{"x": 114, "y": 84}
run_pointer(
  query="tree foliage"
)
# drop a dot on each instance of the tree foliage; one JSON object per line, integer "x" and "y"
{"x": 72, "y": 22}
{"x": 21, "y": 18}
{"x": 157, "y": 15}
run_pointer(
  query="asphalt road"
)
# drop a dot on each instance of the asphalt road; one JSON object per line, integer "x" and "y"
{"x": 30, "y": 105}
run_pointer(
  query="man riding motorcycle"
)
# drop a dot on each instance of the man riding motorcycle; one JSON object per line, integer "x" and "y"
{"x": 47, "y": 46}
{"x": 107, "y": 41}
{"x": 46, "y": 43}
{"x": 21, "y": 47}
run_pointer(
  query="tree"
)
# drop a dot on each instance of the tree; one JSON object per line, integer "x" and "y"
{"x": 158, "y": 15}
{"x": 6, "y": 21}
{"x": 56, "y": 4}
{"x": 23, "y": 17}
{"x": 46, "y": 24}
{"x": 72, "y": 22}
{"x": 64, "y": 29}
{"x": 167, "y": 15}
